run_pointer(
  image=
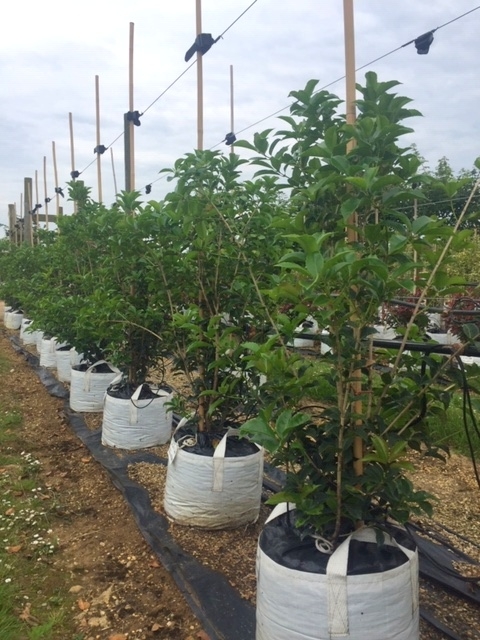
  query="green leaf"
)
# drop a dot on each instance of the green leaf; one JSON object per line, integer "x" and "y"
{"x": 288, "y": 421}
{"x": 259, "y": 431}
{"x": 314, "y": 264}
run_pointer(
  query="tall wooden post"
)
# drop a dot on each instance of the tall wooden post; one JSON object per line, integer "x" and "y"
{"x": 199, "y": 79}
{"x": 350, "y": 86}
{"x": 21, "y": 229}
{"x": 37, "y": 201}
{"x": 27, "y": 208}
{"x": 113, "y": 171}
{"x": 72, "y": 155}
{"x": 352, "y": 235}
{"x": 232, "y": 107}
{"x": 128, "y": 124}
{"x": 12, "y": 220}
{"x": 55, "y": 173}
{"x": 45, "y": 192}
{"x": 99, "y": 155}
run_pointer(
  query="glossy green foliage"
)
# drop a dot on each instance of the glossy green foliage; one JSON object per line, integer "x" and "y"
{"x": 351, "y": 249}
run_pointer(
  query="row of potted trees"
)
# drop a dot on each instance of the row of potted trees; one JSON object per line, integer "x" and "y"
{"x": 216, "y": 279}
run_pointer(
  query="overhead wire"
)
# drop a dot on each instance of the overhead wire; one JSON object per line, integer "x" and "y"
{"x": 367, "y": 64}
{"x": 170, "y": 86}
{"x": 278, "y": 111}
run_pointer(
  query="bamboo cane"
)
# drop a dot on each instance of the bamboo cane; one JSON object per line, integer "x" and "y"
{"x": 352, "y": 235}
{"x": 72, "y": 155}
{"x": 99, "y": 155}
{"x": 55, "y": 173}
{"x": 45, "y": 190}
{"x": 130, "y": 102}
{"x": 232, "y": 113}
{"x": 113, "y": 172}
{"x": 36, "y": 202}
{"x": 199, "y": 79}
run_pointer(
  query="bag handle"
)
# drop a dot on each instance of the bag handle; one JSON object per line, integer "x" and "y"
{"x": 336, "y": 573}
{"x": 88, "y": 373}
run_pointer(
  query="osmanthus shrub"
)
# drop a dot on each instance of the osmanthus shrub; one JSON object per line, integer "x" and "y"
{"x": 342, "y": 431}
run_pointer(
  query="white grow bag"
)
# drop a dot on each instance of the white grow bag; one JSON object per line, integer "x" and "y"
{"x": 48, "y": 347}
{"x": 66, "y": 359}
{"x": 310, "y": 326}
{"x": 26, "y": 334}
{"x": 213, "y": 492}
{"x": 87, "y": 388}
{"x": 13, "y": 320}
{"x": 136, "y": 423}
{"x": 26, "y": 322}
{"x": 298, "y": 605}
{"x": 6, "y": 311}
{"x": 39, "y": 335}
{"x": 383, "y": 332}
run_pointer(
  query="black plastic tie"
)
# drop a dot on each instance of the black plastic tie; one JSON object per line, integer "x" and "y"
{"x": 230, "y": 138}
{"x": 59, "y": 191}
{"x": 47, "y": 200}
{"x": 74, "y": 175}
{"x": 134, "y": 116}
{"x": 148, "y": 189}
{"x": 101, "y": 148}
{"x": 203, "y": 42}
{"x": 423, "y": 42}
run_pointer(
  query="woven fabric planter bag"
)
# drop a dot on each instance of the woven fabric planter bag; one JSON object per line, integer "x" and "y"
{"x": 48, "y": 356}
{"x": 26, "y": 322}
{"x": 88, "y": 386}
{"x": 310, "y": 326}
{"x": 14, "y": 319}
{"x": 136, "y": 422}
{"x": 39, "y": 335}
{"x": 216, "y": 491}
{"x": 6, "y": 311}
{"x": 365, "y": 592}
{"x": 66, "y": 358}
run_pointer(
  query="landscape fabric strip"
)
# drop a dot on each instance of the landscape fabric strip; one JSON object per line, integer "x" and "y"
{"x": 219, "y": 608}
{"x": 216, "y": 604}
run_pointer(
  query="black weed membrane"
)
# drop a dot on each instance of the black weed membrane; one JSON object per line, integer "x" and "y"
{"x": 220, "y": 609}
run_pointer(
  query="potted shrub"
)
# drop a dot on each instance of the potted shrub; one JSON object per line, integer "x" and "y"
{"x": 59, "y": 294}
{"x": 341, "y": 431}
{"x": 214, "y": 236}
{"x": 132, "y": 319}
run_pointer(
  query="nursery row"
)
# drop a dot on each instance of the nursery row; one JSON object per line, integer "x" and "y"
{"x": 217, "y": 278}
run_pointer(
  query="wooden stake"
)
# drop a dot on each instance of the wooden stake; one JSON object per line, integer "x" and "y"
{"x": 352, "y": 236}
{"x": 113, "y": 171}
{"x": 128, "y": 124}
{"x": 99, "y": 155}
{"x": 12, "y": 220}
{"x": 37, "y": 201}
{"x": 72, "y": 154}
{"x": 20, "y": 231}
{"x": 350, "y": 88}
{"x": 55, "y": 173}
{"x": 27, "y": 207}
{"x": 45, "y": 190}
{"x": 199, "y": 79}
{"x": 232, "y": 114}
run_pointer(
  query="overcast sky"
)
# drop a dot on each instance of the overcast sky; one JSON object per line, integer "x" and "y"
{"x": 51, "y": 52}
